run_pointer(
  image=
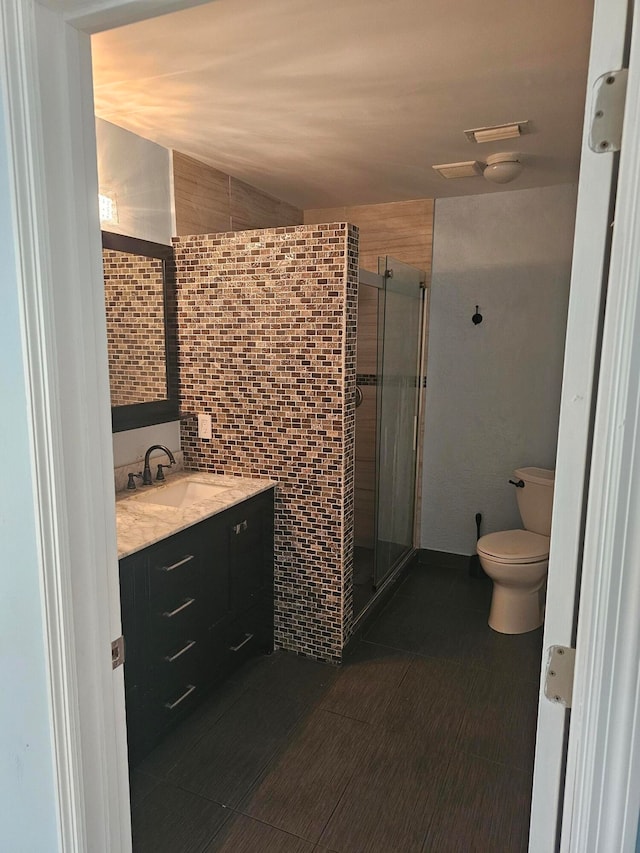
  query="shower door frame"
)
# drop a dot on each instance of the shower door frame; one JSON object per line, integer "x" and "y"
{"x": 401, "y": 561}
{"x": 371, "y": 279}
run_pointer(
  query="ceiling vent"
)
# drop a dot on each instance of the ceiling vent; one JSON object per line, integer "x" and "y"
{"x": 467, "y": 169}
{"x": 497, "y": 132}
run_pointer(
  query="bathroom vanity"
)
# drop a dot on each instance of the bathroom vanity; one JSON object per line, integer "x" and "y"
{"x": 196, "y": 587}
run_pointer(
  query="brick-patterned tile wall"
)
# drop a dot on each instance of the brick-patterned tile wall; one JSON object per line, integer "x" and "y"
{"x": 267, "y": 341}
{"x": 134, "y": 300}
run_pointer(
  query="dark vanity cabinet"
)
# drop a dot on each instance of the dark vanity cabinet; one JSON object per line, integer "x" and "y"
{"x": 194, "y": 607}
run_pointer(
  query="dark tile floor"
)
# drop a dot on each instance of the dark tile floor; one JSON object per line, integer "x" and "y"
{"x": 422, "y": 742}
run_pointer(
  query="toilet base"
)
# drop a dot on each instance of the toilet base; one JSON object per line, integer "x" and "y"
{"x": 517, "y": 611}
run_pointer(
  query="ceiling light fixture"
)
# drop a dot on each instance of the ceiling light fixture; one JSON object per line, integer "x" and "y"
{"x": 497, "y": 132}
{"x": 466, "y": 169}
{"x": 502, "y": 168}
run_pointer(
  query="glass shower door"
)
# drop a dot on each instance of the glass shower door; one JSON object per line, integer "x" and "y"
{"x": 399, "y": 353}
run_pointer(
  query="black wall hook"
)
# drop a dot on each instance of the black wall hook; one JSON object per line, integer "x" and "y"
{"x": 477, "y": 317}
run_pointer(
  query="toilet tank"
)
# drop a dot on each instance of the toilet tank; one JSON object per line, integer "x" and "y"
{"x": 535, "y": 500}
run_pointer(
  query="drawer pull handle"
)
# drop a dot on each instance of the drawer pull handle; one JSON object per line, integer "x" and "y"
{"x": 171, "y": 658}
{"x": 247, "y": 637}
{"x": 171, "y": 705}
{"x": 171, "y": 613}
{"x": 239, "y": 528}
{"x": 177, "y": 565}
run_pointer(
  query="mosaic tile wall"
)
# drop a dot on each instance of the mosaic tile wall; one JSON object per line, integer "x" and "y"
{"x": 134, "y": 304}
{"x": 267, "y": 345}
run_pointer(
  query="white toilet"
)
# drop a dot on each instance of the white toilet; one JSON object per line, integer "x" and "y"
{"x": 517, "y": 560}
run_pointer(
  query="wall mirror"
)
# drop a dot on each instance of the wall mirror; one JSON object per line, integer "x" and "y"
{"x": 139, "y": 284}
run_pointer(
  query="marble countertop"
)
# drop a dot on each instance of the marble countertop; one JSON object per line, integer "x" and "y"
{"x": 140, "y": 524}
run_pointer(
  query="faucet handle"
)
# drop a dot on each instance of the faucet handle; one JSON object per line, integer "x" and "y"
{"x": 160, "y": 474}
{"x": 132, "y": 480}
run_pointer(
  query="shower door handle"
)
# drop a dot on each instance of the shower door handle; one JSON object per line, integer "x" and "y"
{"x": 359, "y": 396}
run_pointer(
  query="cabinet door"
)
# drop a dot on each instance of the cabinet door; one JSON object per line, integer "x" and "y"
{"x": 248, "y": 634}
{"x": 215, "y": 571}
{"x": 250, "y": 537}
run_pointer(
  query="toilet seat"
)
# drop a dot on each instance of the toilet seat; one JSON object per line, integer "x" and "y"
{"x": 514, "y": 546}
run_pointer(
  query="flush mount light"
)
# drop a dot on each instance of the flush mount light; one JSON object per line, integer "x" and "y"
{"x": 466, "y": 169}
{"x": 108, "y": 209}
{"x": 497, "y": 132}
{"x": 502, "y": 168}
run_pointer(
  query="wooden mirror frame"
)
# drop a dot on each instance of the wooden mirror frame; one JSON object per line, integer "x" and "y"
{"x": 158, "y": 411}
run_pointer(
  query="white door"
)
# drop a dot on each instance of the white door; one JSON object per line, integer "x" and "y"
{"x": 552, "y": 804}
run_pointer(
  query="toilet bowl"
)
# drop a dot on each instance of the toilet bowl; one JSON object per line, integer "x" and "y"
{"x": 517, "y": 560}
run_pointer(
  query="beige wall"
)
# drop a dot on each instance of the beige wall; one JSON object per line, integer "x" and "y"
{"x": 208, "y": 201}
{"x": 137, "y": 173}
{"x": 402, "y": 229}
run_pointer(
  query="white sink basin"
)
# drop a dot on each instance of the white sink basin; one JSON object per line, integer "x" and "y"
{"x": 181, "y": 494}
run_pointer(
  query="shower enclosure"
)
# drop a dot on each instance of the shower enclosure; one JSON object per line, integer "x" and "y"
{"x": 390, "y": 318}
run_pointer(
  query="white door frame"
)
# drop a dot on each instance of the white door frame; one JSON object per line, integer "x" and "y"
{"x": 49, "y": 108}
{"x": 589, "y": 270}
{"x": 602, "y": 798}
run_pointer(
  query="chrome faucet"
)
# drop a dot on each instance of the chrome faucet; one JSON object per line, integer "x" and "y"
{"x": 146, "y": 473}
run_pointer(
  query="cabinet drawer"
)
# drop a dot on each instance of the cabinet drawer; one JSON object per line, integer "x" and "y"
{"x": 175, "y": 701}
{"x": 180, "y": 665}
{"x": 176, "y": 658}
{"x": 174, "y": 622}
{"x": 174, "y": 568}
{"x": 177, "y": 682}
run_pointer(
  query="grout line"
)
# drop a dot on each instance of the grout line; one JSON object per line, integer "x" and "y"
{"x": 342, "y": 793}
{"x": 461, "y": 662}
{"x": 238, "y": 813}
{"x": 503, "y": 764}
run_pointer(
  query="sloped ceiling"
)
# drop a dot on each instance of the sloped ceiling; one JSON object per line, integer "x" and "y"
{"x": 353, "y": 101}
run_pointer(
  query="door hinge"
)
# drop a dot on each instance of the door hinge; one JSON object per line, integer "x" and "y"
{"x": 558, "y": 682}
{"x": 117, "y": 652}
{"x": 607, "y": 113}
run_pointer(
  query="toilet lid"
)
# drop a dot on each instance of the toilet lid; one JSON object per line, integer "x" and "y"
{"x": 515, "y": 546}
